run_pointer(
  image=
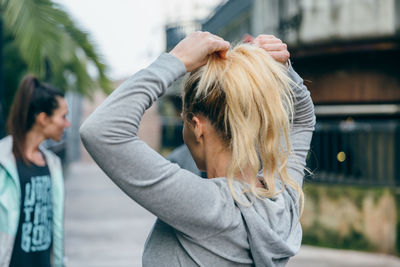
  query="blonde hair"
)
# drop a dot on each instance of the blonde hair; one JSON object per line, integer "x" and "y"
{"x": 247, "y": 98}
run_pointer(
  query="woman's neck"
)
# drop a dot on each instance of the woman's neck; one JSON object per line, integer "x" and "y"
{"x": 32, "y": 141}
{"x": 218, "y": 159}
{"x": 217, "y": 162}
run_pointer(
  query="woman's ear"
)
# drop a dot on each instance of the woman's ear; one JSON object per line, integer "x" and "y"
{"x": 198, "y": 127}
{"x": 42, "y": 119}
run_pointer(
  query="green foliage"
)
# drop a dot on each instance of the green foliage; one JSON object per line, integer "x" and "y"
{"x": 320, "y": 235}
{"x": 324, "y": 237}
{"x": 42, "y": 39}
{"x": 335, "y": 192}
{"x": 14, "y": 68}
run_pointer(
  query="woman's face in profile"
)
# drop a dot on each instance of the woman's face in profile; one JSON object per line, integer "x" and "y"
{"x": 57, "y": 122}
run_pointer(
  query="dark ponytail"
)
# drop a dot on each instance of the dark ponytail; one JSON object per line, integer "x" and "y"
{"x": 32, "y": 98}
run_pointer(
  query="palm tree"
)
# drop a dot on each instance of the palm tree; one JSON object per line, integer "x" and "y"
{"x": 50, "y": 45}
{"x": 40, "y": 38}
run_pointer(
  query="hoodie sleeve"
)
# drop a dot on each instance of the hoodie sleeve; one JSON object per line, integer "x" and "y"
{"x": 302, "y": 128}
{"x": 174, "y": 195}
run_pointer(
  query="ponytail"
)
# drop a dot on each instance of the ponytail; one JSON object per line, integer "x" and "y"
{"x": 247, "y": 98}
{"x": 31, "y": 98}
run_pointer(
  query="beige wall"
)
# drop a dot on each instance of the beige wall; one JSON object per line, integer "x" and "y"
{"x": 346, "y": 19}
{"x": 327, "y": 19}
{"x": 149, "y": 130}
{"x": 351, "y": 217}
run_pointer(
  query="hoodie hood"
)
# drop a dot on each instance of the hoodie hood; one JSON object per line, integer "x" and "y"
{"x": 7, "y": 159}
{"x": 273, "y": 226}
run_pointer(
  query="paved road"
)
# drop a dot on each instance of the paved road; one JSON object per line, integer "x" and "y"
{"x": 106, "y": 228}
{"x": 103, "y": 226}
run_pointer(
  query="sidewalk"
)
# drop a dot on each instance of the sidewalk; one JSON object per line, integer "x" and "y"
{"x": 106, "y": 228}
{"x": 325, "y": 257}
{"x": 103, "y": 226}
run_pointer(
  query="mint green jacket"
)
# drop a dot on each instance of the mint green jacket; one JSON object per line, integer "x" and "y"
{"x": 10, "y": 200}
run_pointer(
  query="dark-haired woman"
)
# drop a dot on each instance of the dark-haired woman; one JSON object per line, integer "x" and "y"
{"x": 31, "y": 180}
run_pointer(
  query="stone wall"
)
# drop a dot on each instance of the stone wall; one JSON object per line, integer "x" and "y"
{"x": 351, "y": 217}
{"x": 150, "y": 126}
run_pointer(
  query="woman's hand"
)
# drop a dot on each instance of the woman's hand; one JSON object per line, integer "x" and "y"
{"x": 194, "y": 50}
{"x": 274, "y": 46}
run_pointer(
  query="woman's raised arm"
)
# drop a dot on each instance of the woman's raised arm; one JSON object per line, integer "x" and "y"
{"x": 163, "y": 188}
{"x": 302, "y": 128}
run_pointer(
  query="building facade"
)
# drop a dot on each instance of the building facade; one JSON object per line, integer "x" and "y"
{"x": 347, "y": 53}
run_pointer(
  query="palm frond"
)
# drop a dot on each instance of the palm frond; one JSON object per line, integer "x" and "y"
{"x": 53, "y": 47}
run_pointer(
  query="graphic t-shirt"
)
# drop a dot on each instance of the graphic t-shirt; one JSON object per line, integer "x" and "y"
{"x": 34, "y": 235}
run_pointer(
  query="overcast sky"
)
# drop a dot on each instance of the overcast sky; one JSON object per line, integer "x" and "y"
{"x": 130, "y": 33}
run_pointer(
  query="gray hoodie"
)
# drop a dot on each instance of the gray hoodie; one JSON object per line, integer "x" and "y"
{"x": 199, "y": 222}
{"x": 181, "y": 156}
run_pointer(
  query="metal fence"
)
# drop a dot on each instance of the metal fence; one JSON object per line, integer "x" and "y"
{"x": 363, "y": 152}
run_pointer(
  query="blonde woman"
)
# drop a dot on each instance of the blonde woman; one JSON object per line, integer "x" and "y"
{"x": 237, "y": 121}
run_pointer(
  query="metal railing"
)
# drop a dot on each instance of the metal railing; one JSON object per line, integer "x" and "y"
{"x": 362, "y": 152}
{"x": 356, "y": 152}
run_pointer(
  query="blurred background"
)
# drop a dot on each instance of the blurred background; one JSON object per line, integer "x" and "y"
{"x": 347, "y": 51}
